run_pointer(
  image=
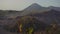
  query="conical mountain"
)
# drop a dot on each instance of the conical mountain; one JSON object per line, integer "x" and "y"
{"x": 32, "y": 9}
{"x": 34, "y": 6}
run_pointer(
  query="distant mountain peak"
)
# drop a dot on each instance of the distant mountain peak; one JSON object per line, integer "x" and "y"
{"x": 35, "y": 4}
{"x": 33, "y": 9}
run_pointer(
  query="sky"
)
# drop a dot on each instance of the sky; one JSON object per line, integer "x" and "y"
{"x": 22, "y": 4}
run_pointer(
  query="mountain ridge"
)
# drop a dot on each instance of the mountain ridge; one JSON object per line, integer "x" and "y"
{"x": 36, "y": 8}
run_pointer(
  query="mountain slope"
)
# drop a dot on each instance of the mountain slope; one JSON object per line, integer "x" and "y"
{"x": 55, "y": 8}
{"x": 34, "y": 8}
{"x": 48, "y": 16}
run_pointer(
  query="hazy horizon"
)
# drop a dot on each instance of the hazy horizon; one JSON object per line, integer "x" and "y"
{"x": 22, "y": 4}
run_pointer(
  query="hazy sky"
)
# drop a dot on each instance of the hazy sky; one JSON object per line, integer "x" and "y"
{"x": 22, "y": 4}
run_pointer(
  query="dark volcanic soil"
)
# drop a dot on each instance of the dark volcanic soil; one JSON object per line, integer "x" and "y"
{"x": 2, "y": 31}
